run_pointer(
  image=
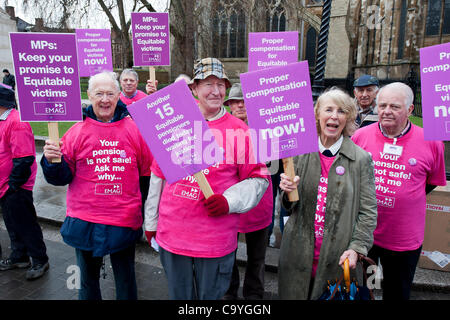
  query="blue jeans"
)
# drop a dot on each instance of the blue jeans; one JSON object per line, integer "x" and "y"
{"x": 275, "y": 187}
{"x": 197, "y": 278}
{"x": 123, "y": 269}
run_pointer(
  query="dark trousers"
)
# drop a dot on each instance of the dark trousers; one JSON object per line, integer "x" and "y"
{"x": 275, "y": 187}
{"x": 124, "y": 274}
{"x": 398, "y": 271}
{"x": 192, "y": 278}
{"x": 23, "y": 228}
{"x": 253, "y": 287}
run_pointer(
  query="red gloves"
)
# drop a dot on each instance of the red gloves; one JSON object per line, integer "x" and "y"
{"x": 217, "y": 205}
{"x": 149, "y": 235}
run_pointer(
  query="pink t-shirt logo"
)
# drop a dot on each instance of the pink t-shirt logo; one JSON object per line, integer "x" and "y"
{"x": 319, "y": 222}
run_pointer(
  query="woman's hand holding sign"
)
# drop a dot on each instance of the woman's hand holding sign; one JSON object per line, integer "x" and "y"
{"x": 287, "y": 184}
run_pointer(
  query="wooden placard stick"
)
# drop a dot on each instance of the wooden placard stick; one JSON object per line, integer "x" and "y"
{"x": 288, "y": 166}
{"x": 203, "y": 184}
{"x": 152, "y": 73}
{"x": 53, "y": 134}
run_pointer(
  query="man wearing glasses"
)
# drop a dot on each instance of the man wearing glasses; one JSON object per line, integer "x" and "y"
{"x": 102, "y": 160}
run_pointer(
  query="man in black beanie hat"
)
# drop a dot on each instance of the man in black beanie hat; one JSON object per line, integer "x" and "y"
{"x": 9, "y": 79}
{"x": 17, "y": 177}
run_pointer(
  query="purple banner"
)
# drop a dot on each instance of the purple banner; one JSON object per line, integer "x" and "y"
{"x": 280, "y": 111}
{"x": 151, "y": 38}
{"x": 435, "y": 87}
{"x": 272, "y": 49}
{"x": 46, "y": 70}
{"x": 174, "y": 128}
{"x": 94, "y": 51}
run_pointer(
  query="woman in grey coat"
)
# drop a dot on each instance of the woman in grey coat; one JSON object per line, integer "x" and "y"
{"x": 337, "y": 211}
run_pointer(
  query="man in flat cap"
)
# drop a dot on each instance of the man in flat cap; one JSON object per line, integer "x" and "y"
{"x": 198, "y": 236}
{"x": 365, "y": 90}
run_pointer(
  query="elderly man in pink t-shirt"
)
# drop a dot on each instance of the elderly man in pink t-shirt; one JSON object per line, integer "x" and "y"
{"x": 198, "y": 236}
{"x": 406, "y": 168}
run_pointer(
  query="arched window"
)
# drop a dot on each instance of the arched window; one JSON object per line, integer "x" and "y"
{"x": 228, "y": 30}
{"x": 276, "y": 18}
{"x": 436, "y": 10}
{"x": 311, "y": 44}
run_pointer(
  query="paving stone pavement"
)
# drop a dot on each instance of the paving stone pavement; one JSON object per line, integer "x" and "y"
{"x": 56, "y": 284}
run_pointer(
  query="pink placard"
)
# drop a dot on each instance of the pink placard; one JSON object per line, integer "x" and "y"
{"x": 280, "y": 111}
{"x": 94, "y": 51}
{"x": 435, "y": 87}
{"x": 272, "y": 49}
{"x": 174, "y": 128}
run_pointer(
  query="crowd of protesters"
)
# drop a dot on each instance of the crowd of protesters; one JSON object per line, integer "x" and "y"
{"x": 340, "y": 216}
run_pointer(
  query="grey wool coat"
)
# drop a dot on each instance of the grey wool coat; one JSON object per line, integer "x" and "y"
{"x": 350, "y": 219}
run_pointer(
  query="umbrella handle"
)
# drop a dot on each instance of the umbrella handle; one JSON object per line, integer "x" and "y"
{"x": 347, "y": 275}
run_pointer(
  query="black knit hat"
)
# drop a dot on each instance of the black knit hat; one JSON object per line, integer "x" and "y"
{"x": 7, "y": 97}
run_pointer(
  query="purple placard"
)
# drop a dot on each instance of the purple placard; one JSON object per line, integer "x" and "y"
{"x": 272, "y": 49}
{"x": 151, "y": 38}
{"x": 280, "y": 111}
{"x": 94, "y": 51}
{"x": 174, "y": 128}
{"x": 434, "y": 75}
{"x": 46, "y": 70}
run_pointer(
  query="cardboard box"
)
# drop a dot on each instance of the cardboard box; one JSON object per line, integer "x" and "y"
{"x": 436, "y": 244}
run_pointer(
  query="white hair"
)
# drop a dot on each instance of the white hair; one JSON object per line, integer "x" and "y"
{"x": 399, "y": 86}
{"x": 183, "y": 76}
{"x": 106, "y": 75}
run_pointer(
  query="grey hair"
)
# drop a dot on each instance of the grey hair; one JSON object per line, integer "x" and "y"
{"x": 129, "y": 71}
{"x": 342, "y": 100}
{"x": 399, "y": 86}
{"x": 106, "y": 75}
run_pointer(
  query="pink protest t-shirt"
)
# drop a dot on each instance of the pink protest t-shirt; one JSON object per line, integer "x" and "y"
{"x": 16, "y": 141}
{"x": 184, "y": 226}
{"x": 139, "y": 95}
{"x": 260, "y": 216}
{"x": 106, "y": 160}
{"x": 319, "y": 222}
{"x": 400, "y": 184}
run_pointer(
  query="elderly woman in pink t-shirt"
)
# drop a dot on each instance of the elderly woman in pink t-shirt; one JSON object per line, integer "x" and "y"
{"x": 337, "y": 211}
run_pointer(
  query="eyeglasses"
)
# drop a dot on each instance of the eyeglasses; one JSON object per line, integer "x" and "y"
{"x": 109, "y": 95}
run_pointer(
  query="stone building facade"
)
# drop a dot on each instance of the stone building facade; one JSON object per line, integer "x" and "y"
{"x": 378, "y": 37}
{"x": 7, "y": 25}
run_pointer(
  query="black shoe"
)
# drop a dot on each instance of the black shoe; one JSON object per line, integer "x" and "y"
{"x": 37, "y": 271}
{"x": 8, "y": 264}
